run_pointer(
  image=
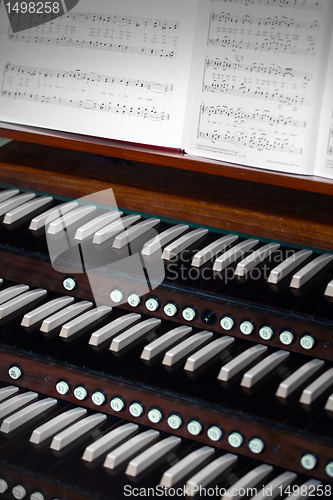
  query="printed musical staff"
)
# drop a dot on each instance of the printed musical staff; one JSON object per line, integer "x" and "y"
{"x": 267, "y": 22}
{"x": 123, "y": 20}
{"x": 259, "y": 93}
{"x": 90, "y": 77}
{"x": 255, "y": 140}
{"x": 145, "y": 112}
{"x": 276, "y": 45}
{"x": 240, "y": 116}
{"x": 261, "y": 68}
{"x": 95, "y": 45}
{"x": 291, "y": 4}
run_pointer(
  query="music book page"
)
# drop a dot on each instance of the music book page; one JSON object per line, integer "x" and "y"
{"x": 116, "y": 69}
{"x": 258, "y": 82}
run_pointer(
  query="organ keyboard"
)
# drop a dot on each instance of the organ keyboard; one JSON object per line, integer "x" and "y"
{"x": 220, "y": 376}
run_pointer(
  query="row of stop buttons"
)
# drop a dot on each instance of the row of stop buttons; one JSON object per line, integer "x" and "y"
{"x": 156, "y": 415}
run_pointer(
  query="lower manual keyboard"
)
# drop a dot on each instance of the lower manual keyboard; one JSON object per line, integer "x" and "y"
{"x": 64, "y": 451}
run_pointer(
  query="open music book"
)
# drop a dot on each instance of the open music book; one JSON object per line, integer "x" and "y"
{"x": 242, "y": 81}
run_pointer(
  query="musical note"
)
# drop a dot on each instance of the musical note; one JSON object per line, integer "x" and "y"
{"x": 241, "y": 116}
{"x": 243, "y": 91}
{"x": 260, "y": 68}
{"x": 276, "y": 45}
{"x": 267, "y": 22}
{"x": 259, "y": 141}
{"x": 292, "y": 4}
{"x": 42, "y": 73}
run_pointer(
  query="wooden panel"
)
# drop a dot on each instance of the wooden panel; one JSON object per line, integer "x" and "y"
{"x": 275, "y": 212}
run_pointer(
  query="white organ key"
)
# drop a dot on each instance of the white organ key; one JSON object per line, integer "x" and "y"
{"x": 22, "y": 300}
{"x": 105, "y": 443}
{"x": 27, "y": 208}
{"x": 8, "y": 193}
{"x": 96, "y": 224}
{"x": 130, "y": 448}
{"x": 114, "y": 228}
{"x": 233, "y": 254}
{"x": 45, "y": 310}
{"x": 299, "y": 377}
{"x": 274, "y": 488}
{"x": 123, "y": 239}
{"x": 211, "y": 250}
{"x": 181, "y": 350}
{"x": 14, "y": 202}
{"x": 286, "y": 267}
{"x": 11, "y": 292}
{"x": 50, "y": 215}
{"x": 209, "y": 473}
{"x": 76, "y": 430}
{"x": 163, "y": 239}
{"x": 314, "y": 390}
{"x": 329, "y": 289}
{"x": 240, "y": 362}
{"x": 150, "y": 456}
{"x": 205, "y": 354}
{"x": 184, "y": 467}
{"x": 8, "y": 391}
{"x": 304, "y": 491}
{"x": 310, "y": 270}
{"x": 84, "y": 320}
{"x": 134, "y": 333}
{"x": 16, "y": 402}
{"x": 56, "y": 424}
{"x": 162, "y": 343}
{"x": 59, "y": 318}
{"x": 329, "y": 404}
{"x": 250, "y": 480}
{"x": 111, "y": 329}
{"x": 255, "y": 258}
{"x": 70, "y": 218}
{"x": 26, "y": 414}
{"x": 182, "y": 243}
{"x": 259, "y": 371}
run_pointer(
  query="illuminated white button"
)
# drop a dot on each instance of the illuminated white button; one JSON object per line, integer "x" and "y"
{"x": 266, "y": 332}
{"x": 194, "y": 427}
{"x": 80, "y": 393}
{"x": 155, "y": 415}
{"x": 116, "y": 295}
{"x": 117, "y": 404}
{"x": 63, "y": 387}
{"x": 256, "y": 445}
{"x": 98, "y": 398}
{"x": 307, "y": 342}
{"x": 152, "y": 304}
{"x": 19, "y": 492}
{"x": 37, "y": 495}
{"x": 134, "y": 300}
{"x": 15, "y": 372}
{"x": 246, "y": 327}
{"x": 227, "y": 323}
{"x": 309, "y": 461}
{"x": 3, "y": 486}
{"x": 215, "y": 433}
{"x": 175, "y": 421}
{"x": 170, "y": 309}
{"x": 286, "y": 337}
{"x": 329, "y": 469}
{"x": 69, "y": 284}
{"x": 136, "y": 409}
{"x": 235, "y": 439}
{"x": 189, "y": 313}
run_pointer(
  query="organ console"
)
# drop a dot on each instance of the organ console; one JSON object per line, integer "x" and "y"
{"x": 216, "y": 381}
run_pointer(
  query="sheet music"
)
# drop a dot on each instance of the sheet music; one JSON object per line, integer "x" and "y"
{"x": 324, "y": 157}
{"x": 115, "y": 69}
{"x": 258, "y": 77}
